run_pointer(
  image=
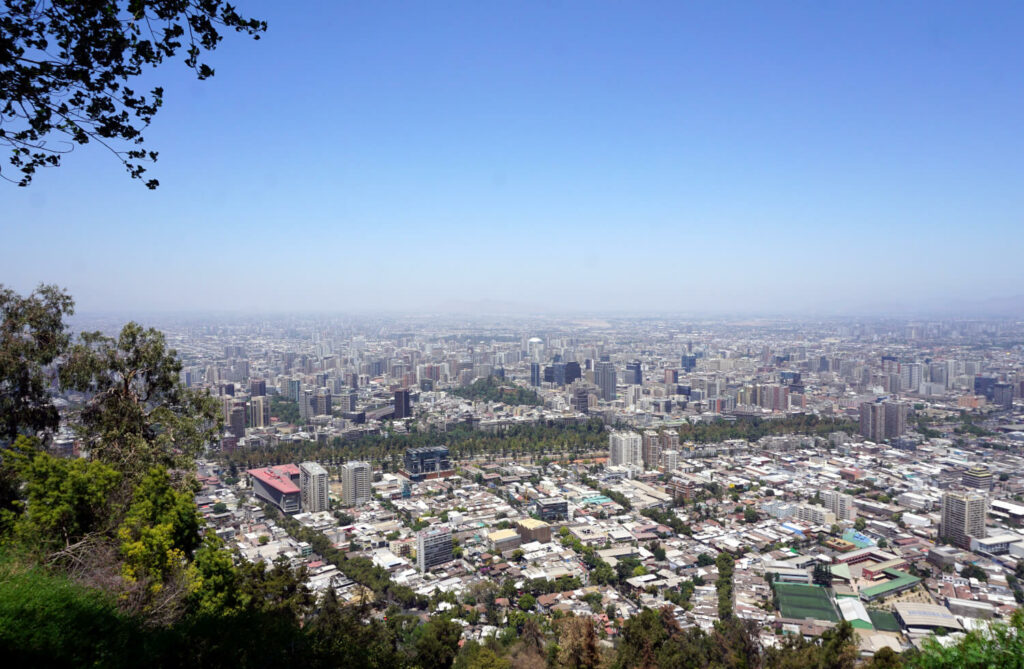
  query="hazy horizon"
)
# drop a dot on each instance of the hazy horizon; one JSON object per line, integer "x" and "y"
{"x": 723, "y": 158}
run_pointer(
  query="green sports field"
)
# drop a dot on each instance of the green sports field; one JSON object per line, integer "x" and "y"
{"x": 805, "y": 601}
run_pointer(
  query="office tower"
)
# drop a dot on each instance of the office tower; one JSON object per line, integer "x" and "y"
{"x": 772, "y": 397}
{"x": 534, "y": 374}
{"x": 433, "y": 548}
{"x": 963, "y": 517}
{"x": 321, "y": 402}
{"x": 872, "y": 420}
{"x": 355, "y": 483}
{"x": 259, "y": 412}
{"x": 651, "y": 449}
{"x": 671, "y": 376}
{"x": 295, "y": 390}
{"x": 348, "y": 400}
{"x": 313, "y": 485}
{"x": 838, "y": 503}
{"x": 911, "y": 376}
{"x": 634, "y": 374}
{"x": 604, "y": 377}
{"x": 403, "y": 405}
{"x": 688, "y": 363}
{"x": 427, "y": 462}
{"x": 258, "y": 387}
{"x": 572, "y": 372}
{"x": 895, "y": 418}
{"x": 307, "y": 405}
{"x": 558, "y": 373}
{"x": 625, "y": 448}
{"x": 979, "y": 478}
{"x": 985, "y": 385}
{"x": 1002, "y": 395}
{"x": 938, "y": 373}
{"x": 580, "y": 400}
{"x": 238, "y": 419}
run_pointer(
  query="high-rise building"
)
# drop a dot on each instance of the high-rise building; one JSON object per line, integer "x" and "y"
{"x": 604, "y": 377}
{"x": 883, "y": 420}
{"x": 535, "y": 374}
{"x": 403, "y": 405}
{"x": 670, "y": 459}
{"x": 985, "y": 385}
{"x": 313, "y": 484}
{"x": 625, "y": 448}
{"x": 558, "y": 373}
{"x": 911, "y": 376}
{"x": 634, "y": 373}
{"x": 580, "y": 400}
{"x": 651, "y": 449}
{"x": 688, "y": 363}
{"x": 838, "y": 503}
{"x": 259, "y": 411}
{"x": 1002, "y": 395}
{"x": 572, "y": 372}
{"x": 258, "y": 387}
{"x": 355, "y": 483}
{"x": 963, "y": 517}
{"x": 895, "y": 419}
{"x": 979, "y": 478}
{"x": 872, "y": 421}
{"x": 433, "y": 547}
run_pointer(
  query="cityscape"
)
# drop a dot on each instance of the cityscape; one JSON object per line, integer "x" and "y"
{"x": 511, "y": 335}
{"x": 866, "y": 472}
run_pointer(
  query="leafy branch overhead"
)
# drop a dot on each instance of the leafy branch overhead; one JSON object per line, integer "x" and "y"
{"x": 67, "y": 67}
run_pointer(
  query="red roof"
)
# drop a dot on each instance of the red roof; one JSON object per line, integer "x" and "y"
{"x": 278, "y": 477}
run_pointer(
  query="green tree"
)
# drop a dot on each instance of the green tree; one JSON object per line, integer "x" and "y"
{"x": 160, "y": 531}
{"x": 138, "y": 415}
{"x": 527, "y": 602}
{"x": 32, "y": 336}
{"x": 437, "y": 643}
{"x": 68, "y": 72}
{"x": 66, "y": 501}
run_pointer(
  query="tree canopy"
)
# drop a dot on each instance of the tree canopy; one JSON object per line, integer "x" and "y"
{"x": 68, "y": 73}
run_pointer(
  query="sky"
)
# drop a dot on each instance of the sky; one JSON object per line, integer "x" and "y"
{"x": 693, "y": 157}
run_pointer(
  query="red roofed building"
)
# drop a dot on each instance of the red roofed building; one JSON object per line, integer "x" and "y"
{"x": 278, "y": 485}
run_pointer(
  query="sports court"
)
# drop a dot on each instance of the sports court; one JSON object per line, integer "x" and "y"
{"x": 805, "y": 601}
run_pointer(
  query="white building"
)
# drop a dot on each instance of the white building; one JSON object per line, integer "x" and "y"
{"x": 626, "y": 448}
{"x": 313, "y": 484}
{"x": 355, "y": 483}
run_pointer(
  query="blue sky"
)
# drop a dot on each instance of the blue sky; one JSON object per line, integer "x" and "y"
{"x": 706, "y": 156}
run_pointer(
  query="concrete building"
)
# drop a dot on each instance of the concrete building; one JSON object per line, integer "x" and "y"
{"x": 552, "y": 508}
{"x": 504, "y": 540}
{"x": 963, "y": 517}
{"x": 355, "y": 483}
{"x": 979, "y": 478}
{"x": 313, "y": 484}
{"x": 838, "y": 503}
{"x": 278, "y": 486}
{"x": 433, "y": 547}
{"x": 625, "y": 448}
{"x": 531, "y": 529}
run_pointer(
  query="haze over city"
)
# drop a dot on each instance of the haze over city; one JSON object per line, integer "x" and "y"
{"x": 601, "y": 157}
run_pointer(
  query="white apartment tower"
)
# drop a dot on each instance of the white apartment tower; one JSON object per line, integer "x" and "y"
{"x": 626, "y": 448}
{"x": 355, "y": 483}
{"x": 313, "y": 485}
